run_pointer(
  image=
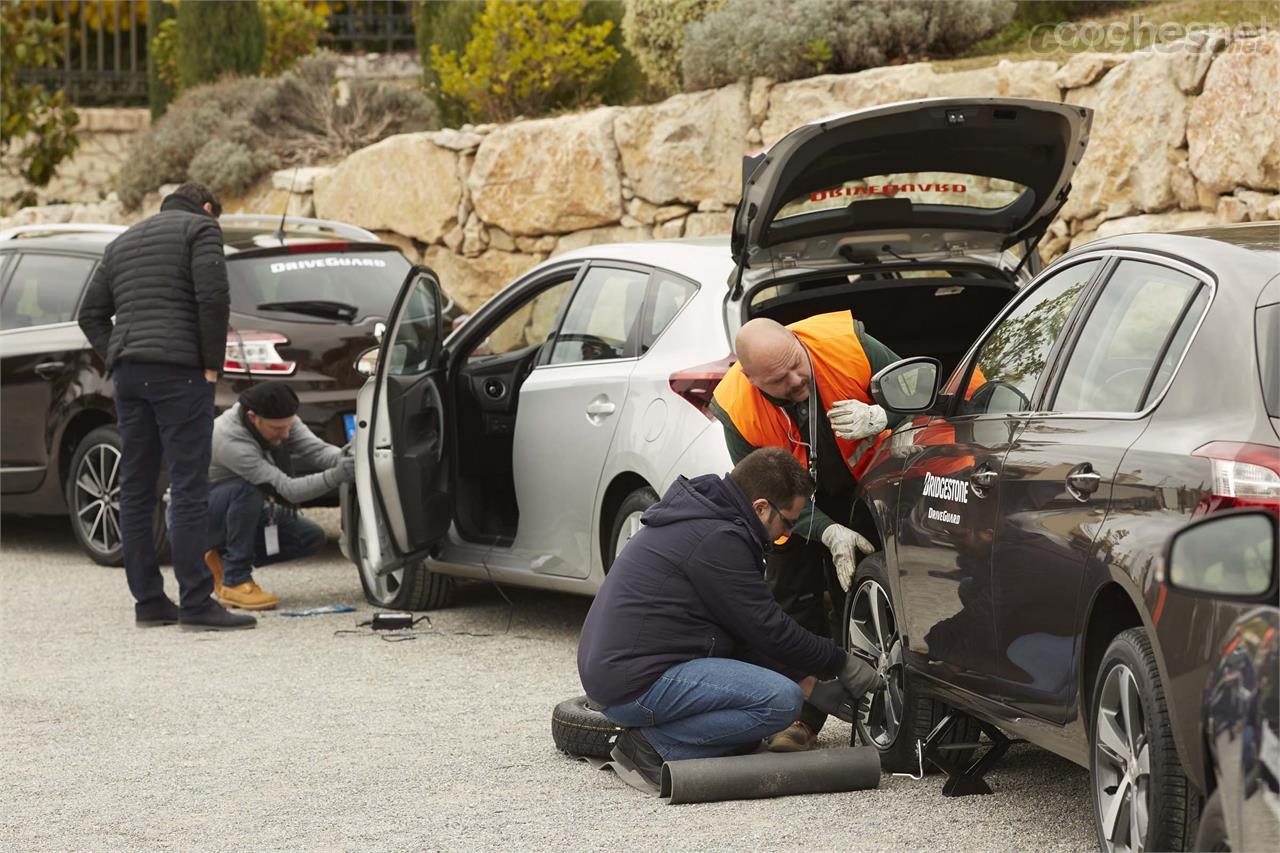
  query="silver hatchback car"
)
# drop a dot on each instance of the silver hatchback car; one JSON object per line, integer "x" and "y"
{"x": 524, "y": 447}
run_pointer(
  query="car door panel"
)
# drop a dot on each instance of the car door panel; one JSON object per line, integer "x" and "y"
{"x": 569, "y": 411}
{"x": 407, "y": 493}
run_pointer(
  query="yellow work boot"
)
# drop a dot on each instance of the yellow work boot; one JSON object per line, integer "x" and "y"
{"x": 248, "y": 596}
{"x": 796, "y": 737}
{"x": 213, "y": 560}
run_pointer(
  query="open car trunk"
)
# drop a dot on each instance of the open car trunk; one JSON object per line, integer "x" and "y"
{"x": 937, "y": 313}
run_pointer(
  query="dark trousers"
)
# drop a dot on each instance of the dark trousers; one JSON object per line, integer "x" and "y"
{"x": 238, "y": 516}
{"x": 802, "y": 576}
{"x": 164, "y": 411}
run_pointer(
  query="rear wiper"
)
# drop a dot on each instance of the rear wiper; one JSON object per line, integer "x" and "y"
{"x": 316, "y": 308}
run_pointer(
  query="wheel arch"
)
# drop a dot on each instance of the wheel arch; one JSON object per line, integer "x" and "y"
{"x": 622, "y": 484}
{"x": 1110, "y": 612}
{"x": 77, "y": 427}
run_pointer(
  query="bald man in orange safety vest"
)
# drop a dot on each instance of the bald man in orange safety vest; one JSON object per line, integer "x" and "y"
{"x": 806, "y": 388}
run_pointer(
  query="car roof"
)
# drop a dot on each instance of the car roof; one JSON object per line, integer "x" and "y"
{"x": 80, "y": 241}
{"x": 1242, "y": 250}
{"x": 705, "y": 259}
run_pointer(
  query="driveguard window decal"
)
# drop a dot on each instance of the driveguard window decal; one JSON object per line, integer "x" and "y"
{"x": 316, "y": 263}
{"x": 886, "y": 189}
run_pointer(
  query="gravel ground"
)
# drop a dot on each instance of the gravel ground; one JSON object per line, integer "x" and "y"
{"x": 292, "y": 736}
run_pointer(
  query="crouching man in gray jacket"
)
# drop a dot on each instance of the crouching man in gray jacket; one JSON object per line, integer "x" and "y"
{"x": 253, "y": 494}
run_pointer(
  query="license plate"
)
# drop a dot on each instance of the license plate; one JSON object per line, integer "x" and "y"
{"x": 349, "y": 423}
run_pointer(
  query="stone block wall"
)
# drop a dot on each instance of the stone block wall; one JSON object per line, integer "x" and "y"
{"x": 1183, "y": 136}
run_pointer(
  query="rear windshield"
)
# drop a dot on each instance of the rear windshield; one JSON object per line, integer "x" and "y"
{"x": 1268, "y": 340}
{"x": 366, "y": 280}
{"x": 935, "y": 188}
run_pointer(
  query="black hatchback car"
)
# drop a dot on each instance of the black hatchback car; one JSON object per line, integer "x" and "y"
{"x": 1022, "y": 516}
{"x": 309, "y": 298}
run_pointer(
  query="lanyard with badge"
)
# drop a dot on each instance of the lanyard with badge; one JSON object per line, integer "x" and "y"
{"x": 271, "y": 533}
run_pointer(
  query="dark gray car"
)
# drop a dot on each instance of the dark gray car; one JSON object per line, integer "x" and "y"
{"x": 1023, "y": 514}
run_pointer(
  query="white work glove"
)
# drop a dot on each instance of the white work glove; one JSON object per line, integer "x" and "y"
{"x": 343, "y": 472}
{"x": 843, "y": 544}
{"x": 854, "y": 420}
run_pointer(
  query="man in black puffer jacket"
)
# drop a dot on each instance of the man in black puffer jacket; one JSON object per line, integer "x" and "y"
{"x": 165, "y": 281}
{"x": 684, "y": 645}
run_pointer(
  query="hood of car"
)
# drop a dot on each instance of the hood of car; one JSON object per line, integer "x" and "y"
{"x": 931, "y": 177}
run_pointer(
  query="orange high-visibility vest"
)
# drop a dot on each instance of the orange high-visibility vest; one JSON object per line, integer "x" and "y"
{"x": 841, "y": 371}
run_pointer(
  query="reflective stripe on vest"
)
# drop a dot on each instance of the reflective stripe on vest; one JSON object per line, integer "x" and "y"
{"x": 841, "y": 371}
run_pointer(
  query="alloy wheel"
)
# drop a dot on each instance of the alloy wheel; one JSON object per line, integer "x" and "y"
{"x": 873, "y": 633}
{"x": 630, "y": 527}
{"x": 1122, "y": 763}
{"x": 96, "y": 497}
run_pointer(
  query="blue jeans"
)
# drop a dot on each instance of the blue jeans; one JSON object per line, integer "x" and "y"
{"x": 710, "y": 706}
{"x": 164, "y": 410}
{"x": 238, "y": 515}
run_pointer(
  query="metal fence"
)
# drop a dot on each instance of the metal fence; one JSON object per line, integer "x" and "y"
{"x": 105, "y": 44}
{"x": 373, "y": 26}
{"x": 104, "y": 50}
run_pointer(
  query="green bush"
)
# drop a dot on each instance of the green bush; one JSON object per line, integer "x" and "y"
{"x": 37, "y": 127}
{"x": 446, "y": 26}
{"x": 653, "y": 31}
{"x": 162, "y": 56}
{"x": 229, "y": 167}
{"x": 750, "y": 38}
{"x": 625, "y": 81}
{"x": 527, "y": 58}
{"x": 215, "y": 39}
{"x": 293, "y": 31}
{"x": 230, "y": 133}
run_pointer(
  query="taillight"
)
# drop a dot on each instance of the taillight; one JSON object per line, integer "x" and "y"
{"x": 697, "y": 384}
{"x": 1243, "y": 474}
{"x": 255, "y": 353}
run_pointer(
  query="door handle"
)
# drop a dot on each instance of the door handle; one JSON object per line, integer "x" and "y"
{"x": 600, "y": 409}
{"x": 984, "y": 478}
{"x": 49, "y": 369}
{"x": 1083, "y": 481}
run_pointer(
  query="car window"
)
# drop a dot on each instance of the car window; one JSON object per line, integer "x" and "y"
{"x": 1014, "y": 355}
{"x": 1267, "y": 340}
{"x": 602, "y": 316}
{"x": 1140, "y": 319}
{"x": 417, "y": 328}
{"x": 668, "y": 296}
{"x": 368, "y": 281}
{"x": 44, "y": 289}
{"x": 529, "y": 325}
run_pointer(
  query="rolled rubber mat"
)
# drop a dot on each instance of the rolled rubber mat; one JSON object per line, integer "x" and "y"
{"x": 770, "y": 774}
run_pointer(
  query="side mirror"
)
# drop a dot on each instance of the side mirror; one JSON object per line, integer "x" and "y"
{"x": 1230, "y": 554}
{"x": 909, "y": 386}
{"x": 366, "y": 363}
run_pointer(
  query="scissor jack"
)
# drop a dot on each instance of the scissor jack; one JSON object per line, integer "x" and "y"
{"x": 967, "y": 779}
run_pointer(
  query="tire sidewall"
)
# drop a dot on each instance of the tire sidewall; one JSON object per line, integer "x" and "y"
{"x": 1131, "y": 648}
{"x": 404, "y": 599}
{"x": 637, "y": 501}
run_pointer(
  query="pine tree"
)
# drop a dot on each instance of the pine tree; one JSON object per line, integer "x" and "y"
{"x": 215, "y": 39}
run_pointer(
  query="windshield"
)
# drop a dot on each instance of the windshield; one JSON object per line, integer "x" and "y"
{"x": 318, "y": 286}
{"x": 934, "y": 188}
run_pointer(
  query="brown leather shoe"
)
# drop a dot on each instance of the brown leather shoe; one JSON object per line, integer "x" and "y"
{"x": 248, "y": 596}
{"x": 213, "y": 560}
{"x": 796, "y": 737}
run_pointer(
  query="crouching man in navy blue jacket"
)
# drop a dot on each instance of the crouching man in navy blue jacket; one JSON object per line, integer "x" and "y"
{"x": 685, "y": 646}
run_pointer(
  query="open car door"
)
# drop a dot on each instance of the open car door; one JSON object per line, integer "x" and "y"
{"x": 403, "y": 463}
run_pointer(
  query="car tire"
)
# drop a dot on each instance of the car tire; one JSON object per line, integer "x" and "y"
{"x": 1129, "y": 728}
{"x": 92, "y": 493}
{"x": 581, "y": 730}
{"x": 414, "y": 587}
{"x": 1212, "y": 835}
{"x": 626, "y": 522}
{"x": 919, "y": 713}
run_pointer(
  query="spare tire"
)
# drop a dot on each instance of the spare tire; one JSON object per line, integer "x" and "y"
{"x": 580, "y": 730}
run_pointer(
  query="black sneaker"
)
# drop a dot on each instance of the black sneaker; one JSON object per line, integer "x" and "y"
{"x": 216, "y": 618}
{"x": 155, "y": 614}
{"x": 637, "y": 752}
